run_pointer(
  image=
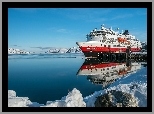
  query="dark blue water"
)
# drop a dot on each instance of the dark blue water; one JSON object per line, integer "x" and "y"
{"x": 44, "y": 78}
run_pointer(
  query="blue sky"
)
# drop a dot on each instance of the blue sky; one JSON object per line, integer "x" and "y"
{"x": 33, "y": 28}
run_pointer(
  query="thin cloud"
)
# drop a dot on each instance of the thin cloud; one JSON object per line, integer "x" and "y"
{"x": 36, "y": 47}
{"x": 122, "y": 16}
{"x": 16, "y": 45}
{"x": 62, "y": 30}
{"x": 42, "y": 48}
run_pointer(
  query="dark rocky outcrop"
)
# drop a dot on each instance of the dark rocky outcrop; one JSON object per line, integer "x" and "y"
{"x": 116, "y": 99}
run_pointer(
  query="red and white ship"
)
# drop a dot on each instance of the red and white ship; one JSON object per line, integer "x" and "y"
{"x": 107, "y": 40}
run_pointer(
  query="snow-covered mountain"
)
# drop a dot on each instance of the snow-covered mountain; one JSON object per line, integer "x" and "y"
{"x": 17, "y": 51}
{"x": 54, "y": 50}
{"x": 65, "y": 50}
{"x": 74, "y": 50}
{"x": 62, "y": 50}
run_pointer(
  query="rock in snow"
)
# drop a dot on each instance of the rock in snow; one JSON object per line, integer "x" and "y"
{"x": 116, "y": 99}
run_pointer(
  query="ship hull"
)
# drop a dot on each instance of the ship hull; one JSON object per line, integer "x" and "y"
{"x": 96, "y": 51}
{"x": 104, "y": 53}
{"x": 106, "y": 49}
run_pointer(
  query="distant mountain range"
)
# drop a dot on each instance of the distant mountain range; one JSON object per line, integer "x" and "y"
{"x": 64, "y": 50}
{"x": 17, "y": 51}
{"x": 60, "y": 50}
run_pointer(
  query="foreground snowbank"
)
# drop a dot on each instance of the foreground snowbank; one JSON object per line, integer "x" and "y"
{"x": 75, "y": 99}
{"x": 14, "y": 101}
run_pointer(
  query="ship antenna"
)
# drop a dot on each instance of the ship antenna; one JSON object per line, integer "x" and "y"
{"x": 117, "y": 29}
{"x": 87, "y": 35}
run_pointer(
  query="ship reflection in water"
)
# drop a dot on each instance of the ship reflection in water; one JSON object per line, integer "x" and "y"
{"x": 105, "y": 73}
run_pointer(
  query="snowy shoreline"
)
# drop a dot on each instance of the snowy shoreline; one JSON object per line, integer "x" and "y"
{"x": 75, "y": 99}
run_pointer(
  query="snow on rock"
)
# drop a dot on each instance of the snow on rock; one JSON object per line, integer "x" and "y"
{"x": 62, "y": 50}
{"x": 73, "y": 99}
{"x": 11, "y": 94}
{"x": 74, "y": 50}
{"x": 19, "y": 102}
{"x": 116, "y": 99}
{"x": 17, "y": 51}
{"x": 14, "y": 101}
{"x": 138, "y": 91}
{"x": 53, "y": 50}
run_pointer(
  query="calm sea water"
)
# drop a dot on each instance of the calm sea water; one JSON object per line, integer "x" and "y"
{"x": 44, "y": 78}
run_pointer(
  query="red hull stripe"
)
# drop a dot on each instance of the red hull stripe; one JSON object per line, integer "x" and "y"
{"x": 100, "y": 65}
{"x": 106, "y": 49}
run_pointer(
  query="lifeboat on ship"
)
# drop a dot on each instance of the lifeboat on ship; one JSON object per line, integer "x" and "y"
{"x": 122, "y": 40}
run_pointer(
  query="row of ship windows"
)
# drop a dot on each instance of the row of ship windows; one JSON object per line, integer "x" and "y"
{"x": 115, "y": 40}
{"x": 101, "y": 69}
{"x": 113, "y": 45}
{"x": 119, "y": 49}
{"x": 107, "y": 68}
